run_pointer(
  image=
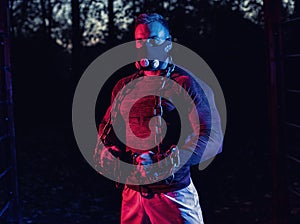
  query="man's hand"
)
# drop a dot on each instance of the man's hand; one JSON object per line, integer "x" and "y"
{"x": 109, "y": 156}
{"x": 143, "y": 162}
{"x": 145, "y": 158}
{"x": 115, "y": 151}
{"x": 152, "y": 167}
{"x": 106, "y": 159}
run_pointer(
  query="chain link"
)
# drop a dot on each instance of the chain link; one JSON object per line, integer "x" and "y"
{"x": 157, "y": 112}
{"x": 157, "y": 107}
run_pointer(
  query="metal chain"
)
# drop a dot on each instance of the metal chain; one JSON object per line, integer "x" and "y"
{"x": 114, "y": 111}
{"x": 157, "y": 111}
{"x": 158, "y": 107}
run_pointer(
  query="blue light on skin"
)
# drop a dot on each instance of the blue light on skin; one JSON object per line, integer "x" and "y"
{"x": 151, "y": 31}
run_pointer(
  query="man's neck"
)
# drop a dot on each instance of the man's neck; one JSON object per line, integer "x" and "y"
{"x": 152, "y": 73}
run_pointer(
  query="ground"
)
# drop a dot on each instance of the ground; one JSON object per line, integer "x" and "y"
{"x": 58, "y": 186}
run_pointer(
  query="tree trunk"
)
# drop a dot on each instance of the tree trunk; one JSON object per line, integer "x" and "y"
{"x": 297, "y": 8}
{"x": 49, "y": 16}
{"x": 9, "y": 212}
{"x": 44, "y": 16}
{"x": 76, "y": 37}
{"x": 111, "y": 32}
{"x": 272, "y": 16}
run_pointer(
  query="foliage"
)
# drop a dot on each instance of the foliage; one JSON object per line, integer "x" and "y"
{"x": 54, "y": 17}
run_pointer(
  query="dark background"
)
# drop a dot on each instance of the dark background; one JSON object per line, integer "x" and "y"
{"x": 57, "y": 185}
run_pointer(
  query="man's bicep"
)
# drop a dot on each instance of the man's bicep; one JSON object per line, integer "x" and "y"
{"x": 206, "y": 137}
{"x": 215, "y": 140}
{"x": 210, "y": 139}
{"x": 107, "y": 117}
{"x": 105, "y": 120}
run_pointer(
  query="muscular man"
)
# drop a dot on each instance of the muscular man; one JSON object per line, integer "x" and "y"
{"x": 166, "y": 132}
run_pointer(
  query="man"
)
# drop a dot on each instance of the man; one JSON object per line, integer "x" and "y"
{"x": 162, "y": 141}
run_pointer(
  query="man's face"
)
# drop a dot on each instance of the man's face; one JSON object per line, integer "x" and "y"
{"x": 154, "y": 33}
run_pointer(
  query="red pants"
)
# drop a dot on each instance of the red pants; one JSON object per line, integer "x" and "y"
{"x": 180, "y": 206}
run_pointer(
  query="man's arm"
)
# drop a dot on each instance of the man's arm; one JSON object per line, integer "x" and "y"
{"x": 108, "y": 147}
{"x": 208, "y": 142}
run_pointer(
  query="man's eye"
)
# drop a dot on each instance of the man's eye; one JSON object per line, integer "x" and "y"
{"x": 139, "y": 41}
{"x": 151, "y": 41}
{"x": 155, "y": 41}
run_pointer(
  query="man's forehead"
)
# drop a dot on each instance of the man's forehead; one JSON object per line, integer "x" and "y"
{"x": 153, "y": 29}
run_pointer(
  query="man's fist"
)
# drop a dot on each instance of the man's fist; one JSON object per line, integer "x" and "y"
{"x": 106, "y": 159}
{"x": 143, "y": 162}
